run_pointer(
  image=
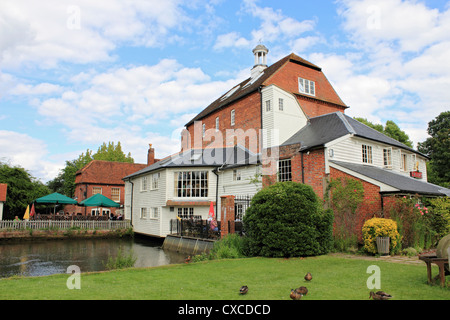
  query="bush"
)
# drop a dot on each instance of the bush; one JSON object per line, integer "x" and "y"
{"x": 285, "y": 220}
{"x": 380, "y": 227}
{"x": 421, "y": 222}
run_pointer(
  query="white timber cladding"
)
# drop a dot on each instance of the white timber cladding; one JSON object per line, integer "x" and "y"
{"x": 247, "y": 184}
{"x": 279, "y": 124}
{"x": 158, "y": 214}
{"x": 349, "y": 149}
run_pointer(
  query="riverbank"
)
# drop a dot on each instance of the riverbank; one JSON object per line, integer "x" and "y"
{"x": 74, "y": 233}
{"x": 334, "y": 278}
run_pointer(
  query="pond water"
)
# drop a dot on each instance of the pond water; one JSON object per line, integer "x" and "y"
{"x": 46, "y": 257}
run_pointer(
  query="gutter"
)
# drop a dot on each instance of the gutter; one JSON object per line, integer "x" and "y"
{"x": 216, "y": 172}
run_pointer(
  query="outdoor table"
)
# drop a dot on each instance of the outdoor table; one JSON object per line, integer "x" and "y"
{"x": 440, "y": 262}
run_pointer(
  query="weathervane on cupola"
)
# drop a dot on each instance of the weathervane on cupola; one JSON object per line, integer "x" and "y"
{"x": 260, "y": 52}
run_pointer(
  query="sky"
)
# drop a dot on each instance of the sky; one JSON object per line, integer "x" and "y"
{"x": 75, "y": 74}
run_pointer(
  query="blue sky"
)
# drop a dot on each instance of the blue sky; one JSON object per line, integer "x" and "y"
{"x": 75, "y": 74}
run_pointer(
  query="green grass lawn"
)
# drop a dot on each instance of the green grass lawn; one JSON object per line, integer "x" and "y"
{"x": 334, "y": 278}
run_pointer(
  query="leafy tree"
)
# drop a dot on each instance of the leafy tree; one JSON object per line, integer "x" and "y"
{"x": 437, "y": 147}
{"x": 391, "y": 129}
{"x": 23, "y": 189}
{"x": 112, "y": 152}
{"x": 65, "y": 181}
{"x": 286, "y": 219}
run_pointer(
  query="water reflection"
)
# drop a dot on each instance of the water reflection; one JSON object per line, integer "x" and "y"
{"x": 54, "y": 256}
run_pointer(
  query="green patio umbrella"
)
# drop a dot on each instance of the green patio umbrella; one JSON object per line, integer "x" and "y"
{"x": 99, "y": 200}
{"x": 56, "y": 198}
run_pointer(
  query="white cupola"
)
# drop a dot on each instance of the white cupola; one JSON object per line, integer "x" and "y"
{"x": 260, "y": 53}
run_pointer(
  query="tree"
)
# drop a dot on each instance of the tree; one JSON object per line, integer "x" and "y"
{"x": 286, "y": 219}
{"x": 65, "y": 181}
{"x": 23, "y": 189}
{"x": 391, "y": 129}
{"x": 437, "y": 147}
{"x": 112, "y": 152}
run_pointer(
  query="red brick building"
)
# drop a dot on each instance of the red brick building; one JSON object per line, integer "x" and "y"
{"x": 104, "y": 177}
{"x": 290, "y": 125}
{"x": 299, "y": 83}
{"x": 294, "y": 109}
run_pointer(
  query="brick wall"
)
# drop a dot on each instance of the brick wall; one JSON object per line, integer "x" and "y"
{"x": 372, "y": 200}
{"x": 313, "y": 167}
{"x": 247, "y": 116}
{"x": 226, "y": 214}
{"x": 82, "y": 189}
{"x": 326, "y": 99}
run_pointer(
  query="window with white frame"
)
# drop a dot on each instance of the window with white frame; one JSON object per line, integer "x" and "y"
{"x": 191, "y": 184}
{"x": 306, "y": 86}
{"x": 115, "y": 194}
{"x": 143, "y": 213}
{"x": 280, "y": 104}
{"x": 284, "y": 170}
{"x": 268, "y": 107}
{"x": 144, "y": 183}
{"x": 96, "y": 190}
{"x": 415, "y": 164}
{"x": 232, "y": 117}
{"x": 186, "y": 213}
{"x": 403, "y": 161}
{"x": 387, "y": 158}
{"x": 203, "y": 130}
{"x": 236, "y": 175}
{"x": 155, "y": 181}
{"x": 154, "y": 213}
{"x": 366, "y": 153}
{"x": 100, "y": 211}
{"x": 217, "y": 123}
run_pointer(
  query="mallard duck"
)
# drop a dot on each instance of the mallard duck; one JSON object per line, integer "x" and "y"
{"x": 302, "y": 290}
{"x": 295, "y": 295}
{"x": 308, "y": 276}
{"x": 243, "y": 290}
{"x": 379, "y": 295}
{"x": 188, "y": 259}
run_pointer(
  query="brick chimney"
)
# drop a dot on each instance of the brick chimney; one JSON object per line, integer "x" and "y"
{"x": 150, "y": 155}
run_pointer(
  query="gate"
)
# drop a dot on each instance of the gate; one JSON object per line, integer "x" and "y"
{"x": 241, "y": 204}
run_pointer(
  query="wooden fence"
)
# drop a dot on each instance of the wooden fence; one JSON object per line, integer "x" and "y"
{"x": 51, "y": 224}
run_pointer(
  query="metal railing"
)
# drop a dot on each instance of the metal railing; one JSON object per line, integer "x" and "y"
{"x": 194, "y": 228}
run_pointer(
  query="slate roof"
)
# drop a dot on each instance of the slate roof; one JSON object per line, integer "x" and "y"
{"x": 325, "y": 128}
{"x": 402, "y": 183}
{"x": 106, "y": 172}
{"x": 251, "y": 85}
{"x": 224, "y": 157}
{"x": 3, "y": 189}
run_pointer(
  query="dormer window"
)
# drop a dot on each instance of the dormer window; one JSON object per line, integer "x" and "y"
{"x": 306, "y": 86}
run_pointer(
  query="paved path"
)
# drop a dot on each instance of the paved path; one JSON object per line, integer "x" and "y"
{"x": 398, "y": 259}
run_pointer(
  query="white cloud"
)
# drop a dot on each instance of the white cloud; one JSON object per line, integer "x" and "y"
{"x": 81, "y": 31}
{"x": 410, "y": 25}
{"x": 400, "y": 71}
{"x": 29, "y": 153}
{"x": 146, "y": 98}
{"x": 40, "y": 89}
{"x": 273, "y": 27}
{"x": 232, "y": 39}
